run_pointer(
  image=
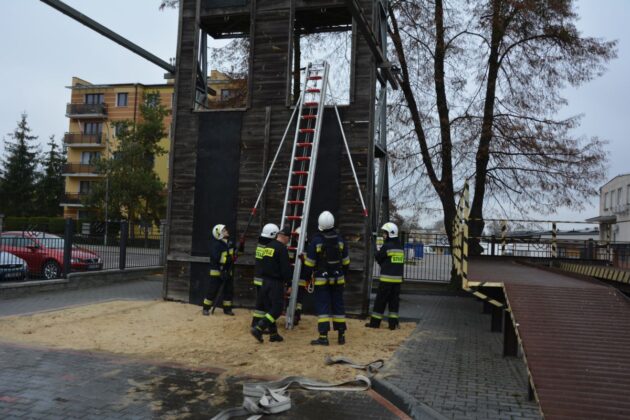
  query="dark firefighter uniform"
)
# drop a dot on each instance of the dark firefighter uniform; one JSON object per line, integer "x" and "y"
{"x": 327, "y": 256}
{"x": 276, "y": 275}
{"x": 258, "y": 280}
{"x": 222, "y": 255}
{"x": 391, "y": 258}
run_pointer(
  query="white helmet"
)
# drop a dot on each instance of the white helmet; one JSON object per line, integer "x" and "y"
{"x": 391, "y": 229}
{"x": 270, "y": 231}
{"x": 326, "y": 221}
{"x": 298, "y": 231}
{"x": 217, "y": 231}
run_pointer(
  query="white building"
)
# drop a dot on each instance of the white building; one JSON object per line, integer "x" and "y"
{"x": 614, "y": 210}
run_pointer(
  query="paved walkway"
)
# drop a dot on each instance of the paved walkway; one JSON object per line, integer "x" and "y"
{"x": 454, "y": 364}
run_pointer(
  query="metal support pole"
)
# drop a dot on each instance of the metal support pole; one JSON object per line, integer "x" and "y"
{"x": 124, "y": 233}
{"x": 510, "y": 341}
{"x": 496, "y": 323}
{"x": 67, "y": 247}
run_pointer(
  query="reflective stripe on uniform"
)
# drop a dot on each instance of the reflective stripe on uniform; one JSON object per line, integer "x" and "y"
{"x": 309, "y": 262}
{"x": 299, "y": 306}
{"x": 392, "y": 315}
{"x": 302, "y": 283}
{"x": 339, "y": 318}
{"x": 260, "y": 252}
{"x": 270, "y": 318}
{"x": 207, "y": 302}
{"x": 397, "y": 256}
{"x": 345, "y": 261}
{"x": 258, "y": 282}
{"x": 223, "y": 258}
{"x": 215, "y": 273}
{"x": 269, "y": 252}
{"x": 390, "y": 279}
{"x": 376, "y": 315}
{"x": 323, "y": 281}
{"x": 227, "y": 303}
{"x": 323, "y": 318}
{"x": 258, "y": 314}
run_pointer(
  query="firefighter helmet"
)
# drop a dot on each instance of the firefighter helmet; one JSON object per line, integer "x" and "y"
{"x": 217, "y": 231}
{"x": 391, "y": 229}
{"x": 326, "y": 221}
{"x": 270, "y": 231}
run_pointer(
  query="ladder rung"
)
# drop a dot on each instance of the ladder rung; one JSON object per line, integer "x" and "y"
{"x": 300, "y": 158}
{"x": 292, "y": 248}
{"x": 309, "y": 117}
{"x": 314, "y": 77}
{"x": 296, "y": 202}
{"x": 313, "y": 90}
{"x": 311, "y": 104}
{"x": 294, "y": 217}
{"x": 307, "y": 130}
{"x": 297, "y": 187}
{"x": 300, "y": 172}
{"x": 306, "y": 144}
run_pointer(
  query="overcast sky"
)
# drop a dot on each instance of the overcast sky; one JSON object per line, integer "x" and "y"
{"x": 42, "y": 49}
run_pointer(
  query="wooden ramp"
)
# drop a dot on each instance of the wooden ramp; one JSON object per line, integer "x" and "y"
{"x": 575, "y": 335}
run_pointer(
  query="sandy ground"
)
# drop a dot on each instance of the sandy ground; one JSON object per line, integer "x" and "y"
{"x": 176, "y": 332}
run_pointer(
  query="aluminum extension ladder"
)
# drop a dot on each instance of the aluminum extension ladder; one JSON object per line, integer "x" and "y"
{"x": 297, "y": 198}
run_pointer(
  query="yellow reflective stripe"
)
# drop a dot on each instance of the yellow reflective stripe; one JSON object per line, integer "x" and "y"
{"x": 318, "y": 247}
{"x": 258, "y": 282}
{"x": 270, "y": 318}
{"x": 376, "y": 316}
{"x": 390, "y": 279}
{"x": 395, "y": 252}
{"x": 269, "y": 252}
{"x": 260, "y": 252}
{"x": 319, "y": 282}
{"x": 223, "y": 258}
{"x": 339, "y": 318}
{"x": 207, "y": 302}
{"x": 302, "y": 283}
{"x": 341, "y": 245}
{"x": 258, "y": 314}
{"x": 227, "y": 303}
{"x": 393, "y": 315}
{"x": 309, "y": 263}
{"x": 327, "y": 319}
{"x": 215, "y": 273}
{"x": 340, "y": 281}
{"x": 346, "y": 261}
{"x": 299, "y": 306}
{"x": 231, "y": 251}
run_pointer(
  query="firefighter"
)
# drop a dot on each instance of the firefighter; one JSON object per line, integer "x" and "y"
{"x": 276, "y": 274}
{"x": 391, "y": 258}
{"x": 267, "y": 235}
{"x": 328, "y": 256}
{"x": 222, "y": 253}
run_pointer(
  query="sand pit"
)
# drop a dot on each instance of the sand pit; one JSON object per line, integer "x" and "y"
{"x": 177, "y": 333}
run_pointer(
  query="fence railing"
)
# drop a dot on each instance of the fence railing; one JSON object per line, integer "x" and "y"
{"x": 36, "y": 254}
{"x": 79, "y": 168}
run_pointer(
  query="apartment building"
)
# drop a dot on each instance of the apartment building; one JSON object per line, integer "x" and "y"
{"x": 93, "y": 112}
{"x": 614, "y": 210}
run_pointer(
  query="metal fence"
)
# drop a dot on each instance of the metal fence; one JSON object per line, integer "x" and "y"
{"x": 38, "y": 255}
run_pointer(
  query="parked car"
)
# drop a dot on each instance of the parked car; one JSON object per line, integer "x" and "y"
{"x": 12, "y": 268}
{"x": 44, "y": 253}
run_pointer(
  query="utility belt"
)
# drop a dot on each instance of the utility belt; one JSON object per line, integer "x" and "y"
{"x": 325, "y": 278}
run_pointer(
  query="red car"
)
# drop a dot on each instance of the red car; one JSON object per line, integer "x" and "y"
{"x": 44, "y": 253}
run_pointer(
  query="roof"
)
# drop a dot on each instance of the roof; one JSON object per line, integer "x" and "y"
{"x": 603, "y": 219}
{"x": 612, "y": 179}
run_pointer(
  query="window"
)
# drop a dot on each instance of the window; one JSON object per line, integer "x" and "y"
{"x": 152, "y": 100}
{"x": 85, "y": 187}
{"x": 628, "y": 194}
{"x": 122, "y": 98}
{"x": 94, "y": 98}
{"x": 88, "y": 158}
{"x": 619, "y": 197}
{"x": 606, "y": 201}
{"x": 93, "y": 128}
{"x": 119, "y": 128}
{"x": 612, "y": 199}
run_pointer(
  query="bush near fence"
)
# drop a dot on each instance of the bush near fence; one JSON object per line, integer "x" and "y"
{"x": 40, "y": 223}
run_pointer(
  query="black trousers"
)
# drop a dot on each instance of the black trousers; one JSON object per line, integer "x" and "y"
{"x": 213, "y": 290}
{"x": 329, "y": 306}
{"x": 387, "y": 296}
{"x": 260, "y": 310}
{"x": 270, "y": 300}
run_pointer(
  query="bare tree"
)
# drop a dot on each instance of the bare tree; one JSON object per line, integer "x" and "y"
{"x": 480, "y": 94}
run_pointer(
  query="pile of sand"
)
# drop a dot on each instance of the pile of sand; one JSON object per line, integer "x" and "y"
{"x": 176, "y": 332}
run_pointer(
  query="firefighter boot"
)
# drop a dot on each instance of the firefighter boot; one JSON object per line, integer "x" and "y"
{"x": 341, "y": 339}
{"x": 205, "y": 312}
{"x": 274, "y": 337}
{"x": 257, "y": 331}
{"x": 321, "y": 341}
{"x": 297, "y": 317}
{"x": 374, "y": 323}
{"x": 393, "y": 324}
{"x": 228, "y": 311}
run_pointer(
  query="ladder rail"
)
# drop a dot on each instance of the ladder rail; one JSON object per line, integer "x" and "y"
{"x": 307, "y": 197}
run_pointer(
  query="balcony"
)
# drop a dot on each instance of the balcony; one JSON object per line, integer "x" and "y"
{"x": 95, "y": 141}
{"x": 86, "y": 111}
{"x": 73, "y": 199}
{"x": 79, "y": 169}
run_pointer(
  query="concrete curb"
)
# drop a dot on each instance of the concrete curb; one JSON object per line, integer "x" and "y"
{"x": 404, "y": 401}
{"x": 79, "y": 281}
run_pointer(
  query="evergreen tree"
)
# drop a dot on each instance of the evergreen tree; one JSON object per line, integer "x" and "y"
{"x": 19, "y": 172}
{"x": 130, "y": 188}
{"x": 50, "y": 188}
